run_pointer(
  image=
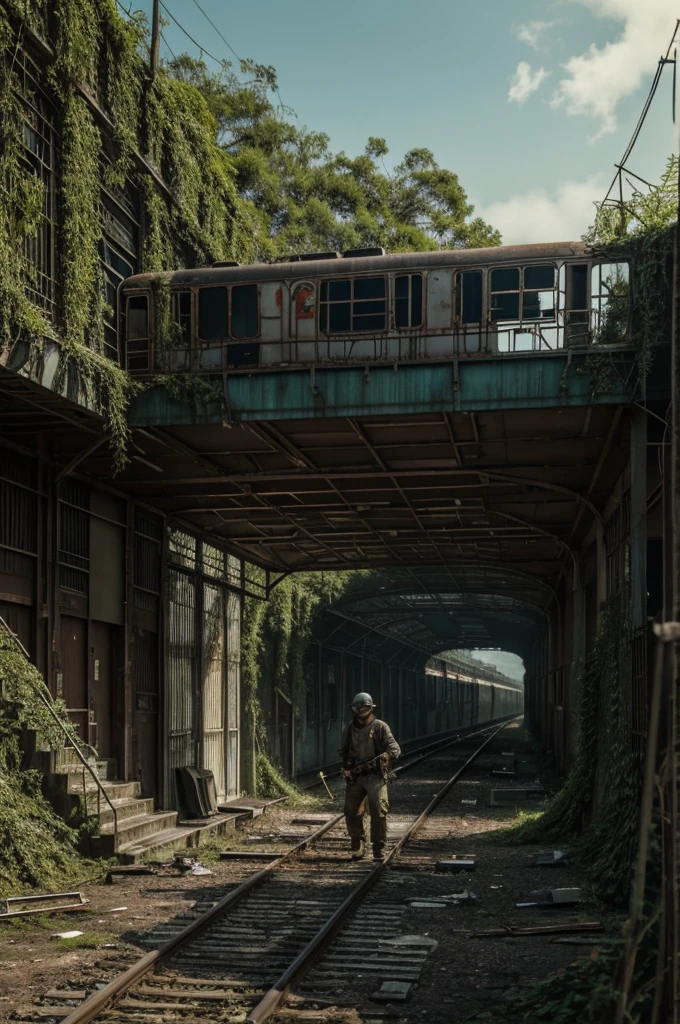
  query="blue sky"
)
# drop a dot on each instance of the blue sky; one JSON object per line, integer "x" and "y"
{"x": 531, "y": 103}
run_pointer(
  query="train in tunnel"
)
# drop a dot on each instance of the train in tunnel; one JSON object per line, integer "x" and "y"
{"x": 428, "y": 698}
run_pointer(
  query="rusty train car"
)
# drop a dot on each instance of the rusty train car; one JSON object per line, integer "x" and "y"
{"x": 362, "y": 306}
{"x": 429, "y": 698}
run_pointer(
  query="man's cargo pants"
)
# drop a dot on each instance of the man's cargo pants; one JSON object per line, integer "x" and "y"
{"x": 373, "y": 788}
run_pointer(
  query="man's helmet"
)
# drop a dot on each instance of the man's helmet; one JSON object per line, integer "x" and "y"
{"x": 364, "y": 699}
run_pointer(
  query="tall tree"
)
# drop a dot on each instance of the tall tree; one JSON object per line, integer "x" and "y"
{"x": 310, "y": 199}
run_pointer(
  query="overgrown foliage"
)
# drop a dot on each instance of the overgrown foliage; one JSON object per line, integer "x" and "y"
{"x": 606, "y": 774}
{"x": 274, "y": 637}
{"x": 38, "y": 847}
{"x": 641, "y": 231}
{"x": 310, "y": 199}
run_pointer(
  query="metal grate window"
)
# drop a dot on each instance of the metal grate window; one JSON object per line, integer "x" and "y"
{"x": 182, "y": 548}
{"x": 640, "y": 689}
{"x": 147, "y": 564}
{"x": 74, "y": 538}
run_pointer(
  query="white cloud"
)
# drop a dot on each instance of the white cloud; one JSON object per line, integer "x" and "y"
{"x": 598, "y": 79}
{"x": 537, "y": 216}
{"x": 532, "y": 32}
{"x": 525, "y": 81}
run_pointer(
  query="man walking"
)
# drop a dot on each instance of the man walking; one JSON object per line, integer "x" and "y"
{"x": 368, "y": 748}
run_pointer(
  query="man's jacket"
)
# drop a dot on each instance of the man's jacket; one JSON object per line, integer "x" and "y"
{"x": 361, "y": 743}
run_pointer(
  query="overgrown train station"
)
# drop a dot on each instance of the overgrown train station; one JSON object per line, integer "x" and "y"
{"x": 242, "y": 482}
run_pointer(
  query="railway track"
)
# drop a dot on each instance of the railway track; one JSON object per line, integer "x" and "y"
{"x": 243, "y": 952}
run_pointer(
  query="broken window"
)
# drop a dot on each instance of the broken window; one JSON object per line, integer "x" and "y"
{"x": 527, "y": 294}
{"x": 609, "y": 290}
{"x": 538, "y": 297}
{"x": 212, "y": 314}
{"x": 358, "y": 305}
{"x": 137, "y": 317}
{"x": 577, "y": 316}
{"x": 504, "y": 304}
{"x": 137, "y": 332}
{"x": 244, "y": 311}
{"x": 181, "y": 315}
{"x": 408, "y": 300}
{"x": 469, "y": 291}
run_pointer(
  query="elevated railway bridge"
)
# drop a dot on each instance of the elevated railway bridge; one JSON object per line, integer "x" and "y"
{"x": 469, "y": 425}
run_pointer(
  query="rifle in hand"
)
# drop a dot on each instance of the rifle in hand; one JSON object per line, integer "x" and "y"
{"x": 384, "y": 761}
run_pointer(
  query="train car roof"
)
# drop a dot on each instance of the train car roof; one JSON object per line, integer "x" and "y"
{"x": 340, "y": 266}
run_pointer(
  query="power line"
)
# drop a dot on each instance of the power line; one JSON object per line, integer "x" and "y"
{"x": 189, "y": 36}
{"x": 225, "y": 41}
{"x": 168, "y": 46}
{"x": 621, "y": 166}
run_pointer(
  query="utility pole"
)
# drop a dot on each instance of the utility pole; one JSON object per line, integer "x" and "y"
{"x": 155, "y": 38}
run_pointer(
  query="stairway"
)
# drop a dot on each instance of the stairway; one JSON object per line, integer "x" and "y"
{"x": 143, "y": 832}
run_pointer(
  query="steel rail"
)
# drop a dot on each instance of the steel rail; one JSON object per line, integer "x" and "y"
{"x": 274, "y": 999}
{"x": 100, "y": 1000}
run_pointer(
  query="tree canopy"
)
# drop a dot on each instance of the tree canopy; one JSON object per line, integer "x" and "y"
{"x": 310, "y": 199}
{"x": 643, "y": 211}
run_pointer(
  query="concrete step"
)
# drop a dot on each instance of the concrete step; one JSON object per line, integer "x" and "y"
{"x": 161, "y": 845}
{"x": 115, "y": 790}
{"x": 128, "y": 807}
{"x": 140, "y": 825}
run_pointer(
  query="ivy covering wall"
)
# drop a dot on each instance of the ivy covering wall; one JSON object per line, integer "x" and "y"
{"x": 274, "y": 637}
{"x": 99, "y": 60}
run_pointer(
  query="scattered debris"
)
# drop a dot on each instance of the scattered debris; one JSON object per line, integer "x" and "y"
{"x": 426, "y": 904}
{"x": 455, "y": 864}
{"x": 265, "y": 837}
{"x": 65, "y": 935}
{"x": 575, "y": 940}
{"x": 496, "y": 887}
{"x": 410, "y": 942}
{"x": 451, "y": 900}
{"x": 199, "y": 869}
{"x": 469, "y": 803}
{"x": 312, "y": 819}
{"x": 113, "y": 910}
{"x": 389, "y": 991}
{"x": 552, "y": 897}
{"x": 127, "y": 869}
{"x": 547, "y": 860}
{"x": 11, "y": 906}
{"x": 251, "y": 854}
{"x": 544, "y": 929}
{"x": 510, "y": 772}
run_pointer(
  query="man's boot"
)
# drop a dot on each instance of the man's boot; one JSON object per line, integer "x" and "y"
{"x": 378, "y": 851}
{"x": 358, "y": 849}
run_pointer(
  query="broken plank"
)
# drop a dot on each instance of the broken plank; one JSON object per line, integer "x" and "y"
{"x": 548, "y": 929}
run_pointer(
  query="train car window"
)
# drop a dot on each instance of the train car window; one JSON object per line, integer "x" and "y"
{"x": 181, "y": 314}
{"x": 504, "y": 304}
{"x": 137, "y": 332}
{"x": 335, "y": 311}
{"x": 538, "y": 297}
{"x": 609, "y": 290}
{"x": 408, "y": 300}
{"x": 469, "y": 296}
{"x": 369, "y": 307}
{"x": 244, "y": 311}
{"x": 577, "y": 286}
{"x": 137, "y": 317}
{"x": 212, "y": 314}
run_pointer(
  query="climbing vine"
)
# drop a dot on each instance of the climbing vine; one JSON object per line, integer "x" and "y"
{"x": 606, "y": 775}
{"x": 196, "y": 216}
{"x": 275, "y": 635}
{"x": 37, "y": 846}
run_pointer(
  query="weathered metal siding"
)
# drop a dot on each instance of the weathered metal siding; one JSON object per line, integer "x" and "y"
{"x": 180, "y": 688}
{"x": 213, "y": 688}
{"x": 233, "y": 664}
